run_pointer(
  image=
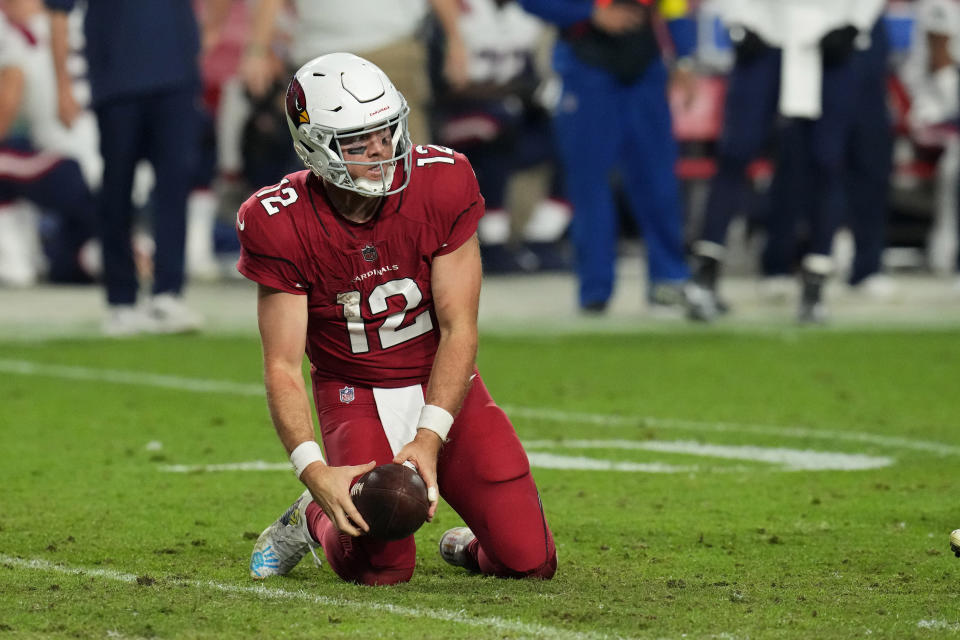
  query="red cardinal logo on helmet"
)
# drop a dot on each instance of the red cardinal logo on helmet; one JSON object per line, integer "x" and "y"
{"x": 297, "y": 104}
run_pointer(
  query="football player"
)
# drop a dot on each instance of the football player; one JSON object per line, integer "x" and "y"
{"x": 368, "y": 261}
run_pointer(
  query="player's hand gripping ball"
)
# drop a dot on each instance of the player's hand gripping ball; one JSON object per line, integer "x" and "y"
{"x": 392, "y": 498}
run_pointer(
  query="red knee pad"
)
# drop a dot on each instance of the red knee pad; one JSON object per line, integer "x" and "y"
{"x": 371, "y": 562}
{"x": 362, "y": 560}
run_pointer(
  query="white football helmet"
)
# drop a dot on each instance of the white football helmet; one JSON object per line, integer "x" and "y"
{"x": 338, "y": 96}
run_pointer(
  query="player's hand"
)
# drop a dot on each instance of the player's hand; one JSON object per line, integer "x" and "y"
{"x": 618, "y": 18}
{"x": 330, "y": 487}
{"x": 422, "y": 451}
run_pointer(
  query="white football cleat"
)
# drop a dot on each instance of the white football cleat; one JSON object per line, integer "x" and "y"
{"x": 284, "y": 543}
{"x": 453, "y": 548}
{"x": 955, "y": 542}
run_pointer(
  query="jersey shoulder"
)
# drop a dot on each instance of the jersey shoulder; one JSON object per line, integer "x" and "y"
{"x": 268, "y": 218}
{"x": 444, "y": 197}
{"x": 444, "y": 179}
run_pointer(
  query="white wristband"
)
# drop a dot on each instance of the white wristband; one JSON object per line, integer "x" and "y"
{"x": 437, "y": 419}
{"x": 305, "y": 454}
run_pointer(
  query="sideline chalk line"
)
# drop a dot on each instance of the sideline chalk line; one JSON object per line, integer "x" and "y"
{"x": 201, "y": 385}
{"x": 443, "y": 615}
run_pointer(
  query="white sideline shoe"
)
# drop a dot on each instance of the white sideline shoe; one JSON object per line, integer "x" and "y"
{"x": 170, "y": 315}
{"x": 955, "y": 542}
{"x": 877, "y": 286}
{"x": 284, "y": 543}
{"x": 124, "y": 320}
{"x": 453, "y": 548}
{"x": 776, "y": 289}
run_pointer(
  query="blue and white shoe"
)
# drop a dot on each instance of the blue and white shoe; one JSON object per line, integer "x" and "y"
{"x": 284, "y": 543}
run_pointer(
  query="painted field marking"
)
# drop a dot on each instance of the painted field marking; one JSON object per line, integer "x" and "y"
{"x": 200, "y": 385}
{"x": 260, "y": 591}
{"x": 253, "y": 465}
{"x": 783, "y": 458}
{"x": 541, "y": 460}
{"x": 610, "y": 420}
{"x": 938, "y": 625}
{"x": 136, "y": 378}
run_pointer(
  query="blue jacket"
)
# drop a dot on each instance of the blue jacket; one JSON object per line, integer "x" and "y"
{"x": 136, "y": 47}
{"x": 566, "y": 13}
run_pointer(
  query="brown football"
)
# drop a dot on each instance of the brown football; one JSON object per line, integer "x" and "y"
{"x": 392, "y": 498}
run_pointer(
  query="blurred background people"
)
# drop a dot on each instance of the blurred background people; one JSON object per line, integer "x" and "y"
{"x": 499, "y": 119}
{"x": 808, "y": 82}
{"x": 856, "y": 114}
{"x": 46, "y": 205}
{"x": 385, "y": 32}
{"x": 144, "y": 76}
{"x": 613, "y": 118}
{"x": 932, "y": 75}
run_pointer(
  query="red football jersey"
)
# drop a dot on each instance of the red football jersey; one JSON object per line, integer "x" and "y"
{"x": 370, "y": 304}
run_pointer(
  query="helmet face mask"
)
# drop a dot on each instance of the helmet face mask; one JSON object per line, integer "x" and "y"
{"x": 337, "y": 98}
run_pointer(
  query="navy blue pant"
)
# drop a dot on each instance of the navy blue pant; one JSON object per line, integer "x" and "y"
{"x": 601, "y": 127}
{"x": 870, "y": 158}
{"x": 161, "y": 128}
{"x": 836, "y": 169}
{"x": 750, "y": 116}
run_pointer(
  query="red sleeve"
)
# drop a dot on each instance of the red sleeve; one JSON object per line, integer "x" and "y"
{"x": 268, "y": 252}
{"x": 465, "y": 208}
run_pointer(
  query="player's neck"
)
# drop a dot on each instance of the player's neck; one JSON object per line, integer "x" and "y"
{"x": 351, "y": 205}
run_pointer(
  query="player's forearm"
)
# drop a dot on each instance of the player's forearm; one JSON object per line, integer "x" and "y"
{"x": 448, "y": 15}
{"x": 215, "y": 13}
{"x": 289, "y": 405}
{"x": 452, "y": 369}
{"x": 11, "y": 93}
{"x": 60, "y": 46}
{"x": 262, "y": 25}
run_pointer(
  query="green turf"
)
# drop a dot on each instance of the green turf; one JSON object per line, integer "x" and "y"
{"x": 97, "y": 541}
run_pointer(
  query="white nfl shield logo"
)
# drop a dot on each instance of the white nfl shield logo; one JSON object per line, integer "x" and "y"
{"x": 346, "y": 395}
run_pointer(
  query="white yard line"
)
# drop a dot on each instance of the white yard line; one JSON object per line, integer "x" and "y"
{"x": 136, "y": 378}
{"x": 785, "y": 459}
{"x": 497, "y": 623}
{"x": 938, "y": 625}
{"x": 201, "y": 385}
{"x": 254, "y": 465}
{"x": 609, "y": 420}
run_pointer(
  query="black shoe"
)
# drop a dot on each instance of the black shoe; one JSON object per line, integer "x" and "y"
{"x": 706, "y": 271}
{"x": 502, "y": 259}
{"x": 551, "y": 256}
{"x": 595, "y": 308}
{"x": 812, "y": 310}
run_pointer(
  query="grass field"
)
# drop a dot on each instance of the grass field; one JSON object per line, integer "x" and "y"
{"x": 700, "y": 484}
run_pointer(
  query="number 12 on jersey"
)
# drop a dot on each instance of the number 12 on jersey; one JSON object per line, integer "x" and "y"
{"x": 390, "y": 332}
